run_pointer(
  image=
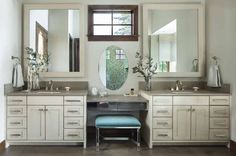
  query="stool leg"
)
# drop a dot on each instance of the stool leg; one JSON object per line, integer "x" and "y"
{"x": 138, "y": 139}
{"x": 97, "y": 139}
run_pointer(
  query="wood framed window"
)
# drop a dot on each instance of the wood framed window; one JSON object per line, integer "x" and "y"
{"x": 113, "y": 23}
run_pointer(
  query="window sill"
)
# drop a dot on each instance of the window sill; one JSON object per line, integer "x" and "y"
{"x": 112, "y": 38}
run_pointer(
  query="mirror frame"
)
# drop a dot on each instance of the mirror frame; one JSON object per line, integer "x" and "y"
{"x": 27, "y": 8}
{"x": 201, "y": 35}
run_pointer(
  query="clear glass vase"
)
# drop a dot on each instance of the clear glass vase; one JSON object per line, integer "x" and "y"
{"x": 148, "y": 84}
{"x": 32, "y": 80}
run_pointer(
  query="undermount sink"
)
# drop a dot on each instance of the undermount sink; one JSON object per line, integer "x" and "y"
{"x": 182, "y": 92}
{"x": 48, "y": 92}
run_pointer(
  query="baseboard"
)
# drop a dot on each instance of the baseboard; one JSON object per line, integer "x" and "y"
{"x": 2, "y": 145}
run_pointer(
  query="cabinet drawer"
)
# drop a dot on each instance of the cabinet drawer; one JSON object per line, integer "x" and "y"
{"x": 16, "y": 100}
{"x": 162, "y": 123}
{"x": 162, "y": 134}
{"x": 45, "y": 100}
{"x": 219, "y": 134}
{"x": 73, "y": 122}
{"x": 219, "y": 100}
{"x": 16, "y": 134}
{"x": 190, "y": 100}
{"x": 162, "y": 100}
{"x": 16, "y": 111}
{"x": 219, "y": 123}
{"x": 73, "y": 100}
{"x": 162, "y": 111}
{"x": 74, "y": 134}
{"x": 73, "y": 111}
{"x": 13, "y": 122}
{"x": 219, "y": 111}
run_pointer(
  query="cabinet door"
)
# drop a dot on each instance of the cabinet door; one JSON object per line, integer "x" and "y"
{"x": 36, "y": 123}
{"x": 200, "y": 123}
{"x": 181, "y": 125}
{"x": 54, "y": 122}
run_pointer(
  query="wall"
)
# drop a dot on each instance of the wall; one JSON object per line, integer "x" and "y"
{"x": 10, "y": 44}
{"x": 220, "y": 35}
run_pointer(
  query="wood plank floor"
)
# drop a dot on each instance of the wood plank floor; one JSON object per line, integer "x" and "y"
{"x": 115, "y": 149}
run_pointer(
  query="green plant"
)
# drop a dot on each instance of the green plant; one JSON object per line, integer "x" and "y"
{"x": 145, "y": 66}
{"x": 37, "y": 62}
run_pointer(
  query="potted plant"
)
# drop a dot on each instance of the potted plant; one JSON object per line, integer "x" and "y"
{"x": 146, "y": 68}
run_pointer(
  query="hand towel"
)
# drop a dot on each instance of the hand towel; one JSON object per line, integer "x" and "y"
{"x": 17, "y": 76}
{"x": 214, "y": 78}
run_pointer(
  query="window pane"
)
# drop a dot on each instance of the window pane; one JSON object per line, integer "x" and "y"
{"x": 102, "y": 30}
{"x": 122, "y": 18}
{"x": 102, "y": 18}
{"x": 122, "y": 30}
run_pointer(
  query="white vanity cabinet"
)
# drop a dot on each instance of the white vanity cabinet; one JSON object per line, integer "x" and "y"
{"x": 46, "y": 119}
{"x": 186, "y": 119}
{"x": 191, "y": 118}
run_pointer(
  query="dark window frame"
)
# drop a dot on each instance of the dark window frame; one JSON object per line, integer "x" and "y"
{"x": 133, "y": 9}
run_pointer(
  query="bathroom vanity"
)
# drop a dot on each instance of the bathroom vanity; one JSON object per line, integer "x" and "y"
{"x": 46, "y": 118}
{"x": 185, "y": 118}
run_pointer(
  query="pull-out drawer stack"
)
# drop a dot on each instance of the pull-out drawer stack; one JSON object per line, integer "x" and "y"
{"x": 16, "y": 118}
{"x": 74, "y": 118}
{"x": 219, "y": 118}
{"x": 162, "y": 118}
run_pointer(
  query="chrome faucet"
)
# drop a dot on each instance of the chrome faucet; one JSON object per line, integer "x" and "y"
{"x": 50, "y": 83}
{"x": 179, "y": 85}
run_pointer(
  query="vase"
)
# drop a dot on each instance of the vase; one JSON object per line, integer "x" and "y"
{"x": 148, "y": 84}
{"x": 32, "y": 80}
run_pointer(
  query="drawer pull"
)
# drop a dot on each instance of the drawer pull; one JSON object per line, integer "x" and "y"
{"x": 73, "y": 123}
{"x": 16, "y": 135}
{"x": 220, "y": 123}
{"x": 16, "y": 100}
{"x": 72, "y": 135}
{"x": 162, "y": 135}
{"x": 162, "y": 111}
{"x": 162, "y": 123}
{"x": 220, "y": 135}
{"x": 15, "y": 111}
{"x": 220, "y": 99}
{"x": 73, "y": 111}
{"x": 41, "y": 110}
{"x": 15, "y": 123}
{"x": 73, "y": 100}
{"x": 220, "y": 111}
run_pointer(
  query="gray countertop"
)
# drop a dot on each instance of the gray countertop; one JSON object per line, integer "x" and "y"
{"x": 184, "y": 93}
{"x": 48, "y": 93}
{"x": 117, "y": 98}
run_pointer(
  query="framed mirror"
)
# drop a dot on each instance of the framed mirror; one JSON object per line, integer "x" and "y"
{"x": 56, "y": 31}
{"x": 174, "y": 36}
{"x": 113, "y": 68}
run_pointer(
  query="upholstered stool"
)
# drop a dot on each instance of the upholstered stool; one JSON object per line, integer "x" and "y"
{"x": 117, "y": 122}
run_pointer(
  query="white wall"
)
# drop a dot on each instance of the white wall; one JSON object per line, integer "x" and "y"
{"x": 10, "y": 44}
{"x": 220, "y": 34}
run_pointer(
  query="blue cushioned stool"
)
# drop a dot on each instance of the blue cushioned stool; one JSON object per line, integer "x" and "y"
{"x": 116, "y": 122}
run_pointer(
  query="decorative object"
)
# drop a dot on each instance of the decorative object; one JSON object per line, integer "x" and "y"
{"x": 146, "y": 68}
{"x": 36, "y": 63}
{"x": 67, "y": 89}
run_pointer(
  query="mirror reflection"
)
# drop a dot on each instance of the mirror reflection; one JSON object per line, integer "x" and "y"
{"x": 173, "y": 40}
{"x": 113, "y": 68}
{"x": 55, "y": 32}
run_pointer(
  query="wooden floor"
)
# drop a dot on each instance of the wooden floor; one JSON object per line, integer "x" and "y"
{"x": 114, "y": 149}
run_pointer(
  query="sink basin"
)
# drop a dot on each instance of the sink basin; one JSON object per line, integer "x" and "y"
{"x": 182, "y": 92}
{"x": 48, "y": 92}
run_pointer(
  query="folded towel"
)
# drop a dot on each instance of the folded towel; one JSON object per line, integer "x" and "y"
{"x": 17, "y": 76}
{"x": 214, "y": 78}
